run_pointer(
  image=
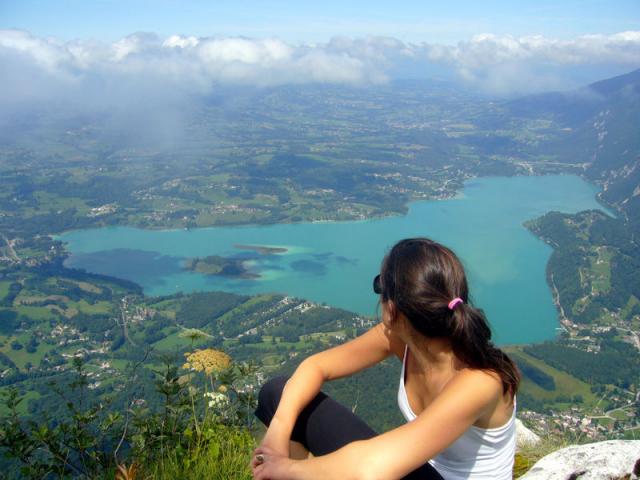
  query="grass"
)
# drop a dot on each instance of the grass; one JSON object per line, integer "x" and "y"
{"x": 625, "y": 313}
{"x": 98, "y": 308}
{"x": 56, "y": 202}
{"x": 30, "y": 395}
{"x": 267, "y": 345}
{"x": 163, "y": 305}
{"x": 35, "y": 313}
{"x": 174, "y": 342}
{"x": 527, "y": 456}
{"x": 71, "y": 307}
{"x": 604, "y": 421}
{"x": 632, "y": 434}
{"x": 119, "y": 363}
{"x": 227, "y": 316}
{"x": 21, "y": 357}
{"x": 601, "y": 271}
{"x": 31, "y": 298}
{"x": 23, "y": 406}
{"x": 4, "y": 289}
{"x": 272, "y": 360}
{"x": 619, "y": 414}
{"x": 226, "y": 457}
{"x": 89, "y": 287}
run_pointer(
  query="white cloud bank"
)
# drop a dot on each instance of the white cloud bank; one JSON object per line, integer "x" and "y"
{"x": 38, "y": 68}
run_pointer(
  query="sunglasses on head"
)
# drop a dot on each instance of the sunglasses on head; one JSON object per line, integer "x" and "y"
{"x": 377, "y": 285}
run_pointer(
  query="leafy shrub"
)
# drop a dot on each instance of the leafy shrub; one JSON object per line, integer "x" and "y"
{"x": 201, "y": 430}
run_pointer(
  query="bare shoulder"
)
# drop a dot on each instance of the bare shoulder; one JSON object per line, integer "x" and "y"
{"x": 495, "y": 406}
{"x": 487, "y": 378}
{"x": 484, "y": 385}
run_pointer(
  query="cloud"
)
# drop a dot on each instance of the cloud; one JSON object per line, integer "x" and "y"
{"x": 486, "y": 50}
{"x": 198, "y": 62}
{"x": 507, "y": 65}
{"x": 146, "y": 66}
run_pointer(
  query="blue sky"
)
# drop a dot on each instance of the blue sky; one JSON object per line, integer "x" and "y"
{"x": 444, "y": 22}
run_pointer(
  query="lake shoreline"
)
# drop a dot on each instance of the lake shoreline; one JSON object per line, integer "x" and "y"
{"x": 456, "y": 195}
{"x": 333, "y": 252}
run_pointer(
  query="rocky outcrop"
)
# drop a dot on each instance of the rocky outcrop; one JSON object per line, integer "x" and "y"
{"x": 614, "y": 459}
{"x": 524, "y": 436}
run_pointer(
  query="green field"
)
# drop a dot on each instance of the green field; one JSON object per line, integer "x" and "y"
{"x": 566, "y": 385}
{"x": 4, "y": 289}
{"x": 23, "y": 405}
{"x": 174, "y": 341}
{"x": 97, "y": 308}
{"x": 601, "y": 271}
{"x": 625, "y": 313}
{"x": 35, "y": 313}
{"x": 632, "y": 434}
{"x": 53, "y": 201}
{"x": 22, "y": 357}
{"x": 618, "y": 414}
{"x": 267, "y": 345}
{"x": 240, "y": 309}
{"x": 605, "y": 422}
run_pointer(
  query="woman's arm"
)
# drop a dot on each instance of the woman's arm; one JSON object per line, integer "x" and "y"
{"x": 366, "y": 350}
{"x": 396, "y": 453}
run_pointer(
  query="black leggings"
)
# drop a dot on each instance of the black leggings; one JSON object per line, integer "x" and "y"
{"x": 325, "y": 425}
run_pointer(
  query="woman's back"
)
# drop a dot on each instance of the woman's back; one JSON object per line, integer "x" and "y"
{"x": 420, "y": 386}
{"x": 479, "y": 452}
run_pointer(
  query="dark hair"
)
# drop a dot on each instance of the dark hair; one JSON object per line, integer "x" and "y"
{"x": 421, "y": 277}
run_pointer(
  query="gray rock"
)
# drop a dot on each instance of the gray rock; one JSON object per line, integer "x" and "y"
{"x": 524, "y": 436}
{"x": 598, "y": 461}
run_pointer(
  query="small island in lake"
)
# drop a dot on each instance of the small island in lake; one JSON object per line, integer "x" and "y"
{"x": 261, "y": 249}
{"x": 217, "y": 265}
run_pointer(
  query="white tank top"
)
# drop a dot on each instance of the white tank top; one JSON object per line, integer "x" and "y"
{"x": 480, "y": 453}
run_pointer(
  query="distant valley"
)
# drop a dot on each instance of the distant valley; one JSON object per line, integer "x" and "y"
{"x": 316, "y": 153}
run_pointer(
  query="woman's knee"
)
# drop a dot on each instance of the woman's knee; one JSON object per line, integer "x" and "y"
{"x": 269, "y": 398}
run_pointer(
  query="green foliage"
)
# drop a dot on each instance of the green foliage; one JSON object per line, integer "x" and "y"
{"x": 14, "y": 290}
{"x": 202, "y": 309}
{"x": 201, "y": 428}
{"x": 225, "y": 456}
{"x": 79, "y": 445}
{"x": 589, "y": 282}
{"x": 605, "y": 367}
{"x": 529, "y": 454}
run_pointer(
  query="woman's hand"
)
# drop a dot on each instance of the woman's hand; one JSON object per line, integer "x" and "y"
{"x": 268, "y": 464}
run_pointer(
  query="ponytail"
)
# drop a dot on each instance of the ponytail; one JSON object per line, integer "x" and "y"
{"x": 428, "y": 285}
{"x": 472, "y": 345}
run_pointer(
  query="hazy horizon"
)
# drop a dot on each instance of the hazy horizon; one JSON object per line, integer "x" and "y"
{"x": 72, "y": 50}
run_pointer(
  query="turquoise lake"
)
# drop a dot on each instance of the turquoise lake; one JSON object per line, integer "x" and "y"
{"x": 336, "y": 262}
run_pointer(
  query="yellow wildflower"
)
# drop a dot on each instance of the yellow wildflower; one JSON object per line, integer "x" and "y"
{"x": 207, "y": 360}
{"x": 126, "y": 473}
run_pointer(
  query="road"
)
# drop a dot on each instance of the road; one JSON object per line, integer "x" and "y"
{"x": 123, "y": 314}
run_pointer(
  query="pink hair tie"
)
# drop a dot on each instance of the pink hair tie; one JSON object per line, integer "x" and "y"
{"x": 454, "y": 302}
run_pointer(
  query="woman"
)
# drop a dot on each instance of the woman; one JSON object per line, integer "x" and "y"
{"x": 457, "y": 391}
